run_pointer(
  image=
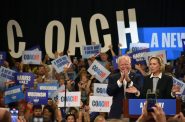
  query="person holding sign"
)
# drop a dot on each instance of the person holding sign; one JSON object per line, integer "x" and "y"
{"x": 118, "y": 83}
{"x": 157, "y": 82}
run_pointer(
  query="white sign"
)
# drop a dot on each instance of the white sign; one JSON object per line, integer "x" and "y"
{"x": 73, "y": 99}
{"x": 31, "y": 57}
{"x": 100, "y": 103}
{"x": 60, "y": 63}
{"x": 161, "y": 53}
{"x": 138, "y": 46}
{"x": 100, "y": 89}
{"x": 180, "y": 84}
{"x": 100, "y": 72}
{"x": 54, "y": 95}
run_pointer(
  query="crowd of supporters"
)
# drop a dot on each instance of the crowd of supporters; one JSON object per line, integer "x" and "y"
{"x": 83, "y": 82}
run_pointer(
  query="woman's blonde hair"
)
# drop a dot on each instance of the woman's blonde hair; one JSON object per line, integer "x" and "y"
{"x": 99, "y": 118}
{"x": 160, "y": 61}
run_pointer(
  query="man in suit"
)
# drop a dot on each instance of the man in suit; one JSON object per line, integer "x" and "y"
{"x": 118, "y": 83}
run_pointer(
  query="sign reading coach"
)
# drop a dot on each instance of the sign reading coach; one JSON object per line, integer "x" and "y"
{"x": 100, "y": 89}
{"x": 100, "y": 104}
{"x": 31, "y": 57}
{"x": 73, "y": 99}
{"x": 100, "y": 72}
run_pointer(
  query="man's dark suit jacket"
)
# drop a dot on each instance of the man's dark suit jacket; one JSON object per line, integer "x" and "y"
{"x": 163, "y": 89}
{"x": 118, "y": 93}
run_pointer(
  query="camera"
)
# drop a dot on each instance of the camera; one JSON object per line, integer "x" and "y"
{"x": 14, "y": 114}
{"x": 151, "y": 101}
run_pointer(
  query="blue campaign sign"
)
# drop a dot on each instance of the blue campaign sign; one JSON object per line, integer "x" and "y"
{"x": 114, "y": 62}
{"x": 50, "y": 87}
{"x": 36, "y": 47}
{"x": 25, "y": 78}
{"x": 168, "y": 105}
{"x": 38, "y": 97}
{"x": 167, "y": 38}
{"x": 7, "y": 73}
{"x": 2, "y": 57}
{"x": 60, "y": 63}
{"x": 90, "y": 50}
{"x": 183, "y": 43}
{"x": 138, "y": 57}
{"x": 14, "y": 94}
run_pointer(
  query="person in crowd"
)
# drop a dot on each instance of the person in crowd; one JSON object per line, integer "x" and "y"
{"x": 2, "y": 104}
{"x": 48, "y": 114}
{"x": 21, "y": 109}
{"x": 142, "y": 69}
{"x": 70, "y": 117}
{"x": 169, "y": 70}
{"x": 157, "y": 82}
{"x": 118, "y": 83}
{"x": 183, "y": 78}
{"x": 179, "y": 68}
{"x": 157, "y": 115}
{"x": 5, "y": 115}
{"x": 177, "y": 118}
{"x": 100, "y": 118}
{"x": 84, "y": 86}
{"x": 37, "y": 112}
{"x": 103, "y": 59}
